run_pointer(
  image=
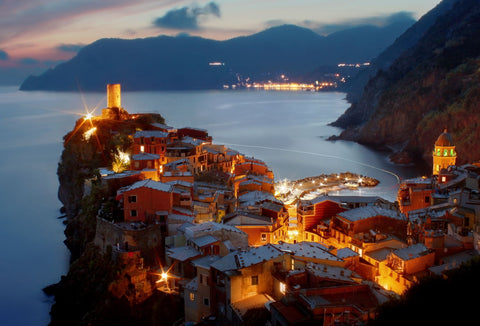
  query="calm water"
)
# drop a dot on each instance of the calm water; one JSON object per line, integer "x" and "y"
{"x": 285, "y": 129}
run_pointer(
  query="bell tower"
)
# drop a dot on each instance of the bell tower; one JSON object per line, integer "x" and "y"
{"x": 444, "y": 153}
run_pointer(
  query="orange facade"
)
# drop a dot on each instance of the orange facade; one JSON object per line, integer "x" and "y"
{"x": 413, "y": 195}
{"x": 141, "y": 204}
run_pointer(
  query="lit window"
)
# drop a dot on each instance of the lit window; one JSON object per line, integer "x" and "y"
{"x": 264, "y": 237}
{"x": 255, "y": 280}
{"x": 283, "y": 287}
{"x": 444, "y": 179}
{"x": 142, "y": 148}
{"x": 192, "y": 296}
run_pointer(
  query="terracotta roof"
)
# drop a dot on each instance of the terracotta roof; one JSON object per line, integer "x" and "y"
{"x": 445, "y": 139}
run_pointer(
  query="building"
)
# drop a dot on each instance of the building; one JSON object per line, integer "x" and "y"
{"x": 260, "y": 229}
{"x": 243, "y": 280}
{"x": 444, "y": 154}
{"x": 348, "y": 226}
{"x": 143, "y": 199}
{"x": 415, "y": 194}
{"x": 404, "y": 267}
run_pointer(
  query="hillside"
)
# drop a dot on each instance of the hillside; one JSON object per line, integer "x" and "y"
{"x": 182, "y": 62}
{"x": 431, "y": 86}
{"x": 405, "y": 41}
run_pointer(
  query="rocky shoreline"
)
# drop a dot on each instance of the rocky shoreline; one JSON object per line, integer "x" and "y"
{"x": 96, "y": 289}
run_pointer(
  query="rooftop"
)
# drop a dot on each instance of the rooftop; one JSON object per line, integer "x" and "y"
{"x": 205, "y": 261}
{"x": 242, "y": 259}
{"x": 182, "y": 253}
{"x": 204, "y": 240}
{"x": 148, "y": 183}
{"x": 307, "y": 249}
{"x": 412, "y": 252}
{"x": 150, "y": 133}
{"x": 361, "y": 213}
{"x": 145, "y": 157}
{"x": 345, "y": 199}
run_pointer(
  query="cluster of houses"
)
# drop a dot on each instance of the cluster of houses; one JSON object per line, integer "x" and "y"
{"x": 229, "y": 247}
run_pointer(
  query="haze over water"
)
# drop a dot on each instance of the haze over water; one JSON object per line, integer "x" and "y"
{"x": 287, "y": 130}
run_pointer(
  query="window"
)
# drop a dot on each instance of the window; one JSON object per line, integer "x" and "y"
{"x": 264, "y": 237}
{"x": 133, "y": 213}
{"x": 206, "y": 301}
{"x": 283, "y": 287}
{"x": 203, "y": 279}
{"x": 255, "y": 280}
{"x": 427, "y": 199}
{"x": 132, "y": 199}
{"x": 192, "y": 296}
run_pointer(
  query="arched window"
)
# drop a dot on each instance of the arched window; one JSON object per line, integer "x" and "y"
{"x": 445, "y": 152}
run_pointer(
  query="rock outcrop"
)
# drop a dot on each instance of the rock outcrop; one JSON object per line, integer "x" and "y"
{"x": 431, "y": 86}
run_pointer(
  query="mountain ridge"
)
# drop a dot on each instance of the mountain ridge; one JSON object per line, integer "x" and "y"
{"x": 431, "y": 86}
{"x": 182, "y": 62}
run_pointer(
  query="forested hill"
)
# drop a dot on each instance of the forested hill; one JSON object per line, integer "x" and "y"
{"x": 183, "y": 62}
{"x": 433, "y": 85}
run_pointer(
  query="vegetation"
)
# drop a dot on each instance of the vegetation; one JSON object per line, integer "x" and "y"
{"x": 431, "y": 86}
{"x": 436, "y": 300}
{"x": 85, "y": 295}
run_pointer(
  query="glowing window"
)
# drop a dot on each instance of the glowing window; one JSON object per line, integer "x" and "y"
{"x": 283, "y": 287}
{"x": 192, "y": 296}
{"x": 445, "y": 152}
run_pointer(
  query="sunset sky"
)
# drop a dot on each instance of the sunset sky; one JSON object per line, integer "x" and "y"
{"x": 37, "y": 33}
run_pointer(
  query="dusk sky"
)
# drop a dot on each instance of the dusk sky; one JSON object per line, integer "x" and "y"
{"x": 43, "y": 32}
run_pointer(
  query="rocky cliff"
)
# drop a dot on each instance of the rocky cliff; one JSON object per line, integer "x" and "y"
{"x": 433, "y": 85}
{"x": 97, "y": 289}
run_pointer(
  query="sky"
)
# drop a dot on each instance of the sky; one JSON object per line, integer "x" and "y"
{"x": 37, "y": 34}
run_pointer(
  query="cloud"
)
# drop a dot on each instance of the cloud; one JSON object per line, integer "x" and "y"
{"x": 70, "y": 47}
{"x": 187, "y": 18}
{"x": 380, "y": 21}
{"x": 4, "y": 55}
{"x": 325, "y": 29}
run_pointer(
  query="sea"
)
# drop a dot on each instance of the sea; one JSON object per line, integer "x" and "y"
{"x": 287, "y": 130}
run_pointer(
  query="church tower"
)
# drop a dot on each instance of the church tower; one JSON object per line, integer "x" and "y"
{"x": 444, "y": 153}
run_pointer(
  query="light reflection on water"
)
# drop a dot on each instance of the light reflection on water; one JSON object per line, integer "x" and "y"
{"x": 287, "y": 130}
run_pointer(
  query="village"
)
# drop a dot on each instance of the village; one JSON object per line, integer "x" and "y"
{"x": 207, "y": 223}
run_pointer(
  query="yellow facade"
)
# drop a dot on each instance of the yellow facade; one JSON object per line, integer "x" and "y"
{"x": 444, "y": 154}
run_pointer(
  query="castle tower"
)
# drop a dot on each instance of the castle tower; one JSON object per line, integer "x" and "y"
{"x": 444, "y": 153}
{"x": 114, "y": 110}
{"x": 114, "y": 97}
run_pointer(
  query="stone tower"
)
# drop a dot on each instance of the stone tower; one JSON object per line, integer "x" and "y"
{"x": 444, "y": 153}
{"x": 114, "y": 110}
{"x": 114, "y": 97}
